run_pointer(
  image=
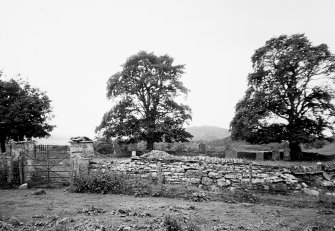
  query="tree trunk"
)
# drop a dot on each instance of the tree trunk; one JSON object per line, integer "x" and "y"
{"x": 3, "y": 145}
{"x": 150, "y": 145}
{"x": 295, "y": 150}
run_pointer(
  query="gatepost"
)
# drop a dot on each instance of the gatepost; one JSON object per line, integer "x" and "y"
{"x": 275, "y": 154}
{"x": 202, "y": 147}
{"x": 20, "y": 153}
{"x": 286, "y": 152}
{"x": 82, "y": 151}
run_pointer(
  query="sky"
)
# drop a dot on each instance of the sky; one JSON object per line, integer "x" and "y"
{"x": 69, "y": 49}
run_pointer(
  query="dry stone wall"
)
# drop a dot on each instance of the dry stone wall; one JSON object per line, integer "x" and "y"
{"x": 210, "y": 173}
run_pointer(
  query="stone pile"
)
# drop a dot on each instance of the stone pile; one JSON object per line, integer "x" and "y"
{"x": 156, "y": 154}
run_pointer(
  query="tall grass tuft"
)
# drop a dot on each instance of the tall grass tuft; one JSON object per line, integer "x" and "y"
{"x": 174, "y": 223}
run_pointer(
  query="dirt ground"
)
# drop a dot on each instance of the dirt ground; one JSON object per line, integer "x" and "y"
{"x": 59, "y": 209}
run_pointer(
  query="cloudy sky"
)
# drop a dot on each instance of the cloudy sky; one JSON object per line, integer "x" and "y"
{"x": 70, "y": 48}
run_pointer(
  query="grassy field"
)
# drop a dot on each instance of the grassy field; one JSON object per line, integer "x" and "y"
{"x": 59, "y": 209}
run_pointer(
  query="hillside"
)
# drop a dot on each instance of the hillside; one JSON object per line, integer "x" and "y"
{"x": 328, "y": 149}
{"x": 208, "y": 133}
{"x": 54, "y": 140}
{"x": 205, "y": 133}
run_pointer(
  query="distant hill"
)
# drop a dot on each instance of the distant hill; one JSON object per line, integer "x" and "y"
{"x": 328, "y": 149}
{"x": 207, "y": 133}
{"x": 54, "y": 140}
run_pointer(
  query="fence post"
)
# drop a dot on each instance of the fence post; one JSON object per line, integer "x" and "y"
{"x": 48, "y": 171}
{"x": 159, "y": 173}
{"x": 72, "y": 173}
{"x": 10, "y": 165}
{"x": 250, "y": 175}
{"x": 21, "y": 167}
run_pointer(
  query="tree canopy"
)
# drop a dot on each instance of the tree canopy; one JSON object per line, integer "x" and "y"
{"x": 289, "y": 95}
{"x": 145, "y": 106}
{"x": 24, "y": 112}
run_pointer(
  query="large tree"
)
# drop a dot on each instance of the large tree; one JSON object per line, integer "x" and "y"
{"x": 289, "y": 95}
{"x": 145, "y": 108}
{"x": 24, "y": 112}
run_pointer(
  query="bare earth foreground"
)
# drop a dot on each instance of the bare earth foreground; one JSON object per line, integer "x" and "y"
{"x": 59, "y": 209}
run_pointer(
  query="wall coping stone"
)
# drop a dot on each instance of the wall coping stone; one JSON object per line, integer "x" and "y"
{"x": 203, "y": 160}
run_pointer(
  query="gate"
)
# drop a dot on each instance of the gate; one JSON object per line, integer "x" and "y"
{"x": 46, "y": 164}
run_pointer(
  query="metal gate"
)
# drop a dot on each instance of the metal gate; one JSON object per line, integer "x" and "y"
{"x": 47, "y": 164}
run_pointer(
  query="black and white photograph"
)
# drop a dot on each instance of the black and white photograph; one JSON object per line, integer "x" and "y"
{"x": 167, "y": 115}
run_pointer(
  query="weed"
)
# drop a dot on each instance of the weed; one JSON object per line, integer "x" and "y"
{"x": 114, "y": 183}
{"x": 174, "y": 223}
{"x": 3, "y": 177}
{"x": 192, "y": 227}
{"x": 238, "y": 196}
{"x": 327, "y": 201}
{"x": 4, "y": 183}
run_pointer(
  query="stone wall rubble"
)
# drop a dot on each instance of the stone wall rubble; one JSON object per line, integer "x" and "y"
{"x": 214, "y": 173}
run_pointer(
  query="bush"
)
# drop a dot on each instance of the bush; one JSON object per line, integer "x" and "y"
{"x": 103, "y": 148}
{"x": 4, "y": 184}
{"x": 100, "y": 183}
{"x": 3, "y": 177}
{"x": 116, "y": 183}
{"x": 327, "y": 201}
{"x": 174, "y": 223}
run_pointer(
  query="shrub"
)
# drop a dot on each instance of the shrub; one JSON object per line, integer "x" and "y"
{"x": 117, "y": 183}
{"x": 3, "y": 177}
{"x": 114, "y": 183}
{"x": 100, "y": 183}
{"x": 174, "y": 223}
{"x": 103, "y": 148}
{"x": 4, "y": 174}
{"x": 327, "y": 201}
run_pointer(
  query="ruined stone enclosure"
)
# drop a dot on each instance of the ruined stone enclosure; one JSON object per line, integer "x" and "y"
{"x": 213, "y": 173}
{"x": 48, "y": 164}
